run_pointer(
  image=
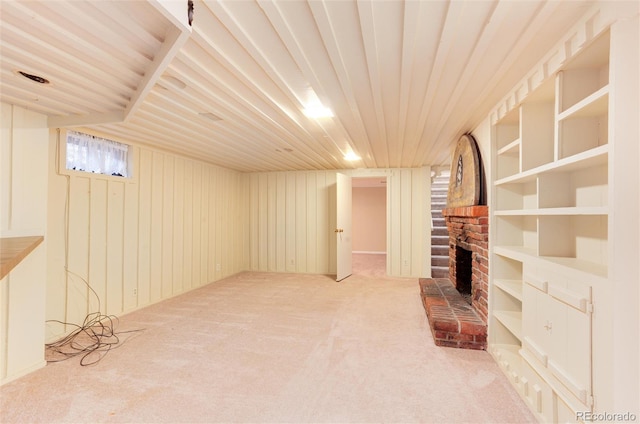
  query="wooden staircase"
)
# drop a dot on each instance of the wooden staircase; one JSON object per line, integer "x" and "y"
{"x": 439, "y": 233}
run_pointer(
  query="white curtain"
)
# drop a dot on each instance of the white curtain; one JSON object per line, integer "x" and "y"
{"x": 94, "y": 154}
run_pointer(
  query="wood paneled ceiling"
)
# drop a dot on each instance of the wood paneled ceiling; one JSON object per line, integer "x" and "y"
{"x": 403, "y": 79}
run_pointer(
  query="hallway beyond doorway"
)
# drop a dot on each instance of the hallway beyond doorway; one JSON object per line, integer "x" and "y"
{"x": 370, "y": 264}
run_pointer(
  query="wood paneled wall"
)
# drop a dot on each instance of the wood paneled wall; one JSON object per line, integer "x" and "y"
{"x": 292, "y": 218}
{"x": 176, "y": 225}
{"x": 23, "y": 211}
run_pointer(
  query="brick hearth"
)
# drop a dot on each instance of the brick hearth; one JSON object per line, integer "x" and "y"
{"x": 453, "y": 322}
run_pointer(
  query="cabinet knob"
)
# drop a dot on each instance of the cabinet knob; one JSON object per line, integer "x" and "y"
{"x": 548, "y": 326}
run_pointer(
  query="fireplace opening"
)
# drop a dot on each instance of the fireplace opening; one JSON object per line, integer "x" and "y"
{"x": 464, "y": 272}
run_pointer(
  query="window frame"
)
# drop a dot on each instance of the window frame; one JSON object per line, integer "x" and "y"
{"x": 62, "y": 158}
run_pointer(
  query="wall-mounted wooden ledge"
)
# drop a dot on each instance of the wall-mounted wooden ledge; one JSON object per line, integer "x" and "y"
{"x": 14, "y": 249}
{"x": 466, "y": 211}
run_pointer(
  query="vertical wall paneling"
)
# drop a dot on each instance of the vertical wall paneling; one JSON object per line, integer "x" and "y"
{"x": 290, "y": 222}
{"x": 196, "y": 230}
{"x": 130, "y": 247}
{"x": 144, "y": 239}
{"x": 271, "y": 222}
{"x": 6, "y": 148}
{"x": 24, "y": 343}
{"x": 170, "y": 204}
{"x": 213, "y": 201}
{"x": 254, "y": 222}
{"x": 223, "y": 224}
{"x": 310, "y": 220}
{"x": 28, "y": 142}
{"x": 281, "y": 220}
{"x": 204, "y": 228}
{"x": 262, "y": 236}
{"x": 159, "y": 231}
{"x": 293, "y": 220}
{"x": 144, "y": 228}
{"x": 241, "y": 222}
{"x": 406, "y": 223}
{"x": 324, "y": 234}
{"x": 177, "y": 245}
{"x": 301, "y": 221}
{"x": 115, "y": 233}
{"x": 23, "y": 212}
{"x": 55, "y": 241}
{"x": 97, "y": 272}
{"x": 188, "y": 226}
{"x": 206, "y": 224}
{"x": 79, "y": 250}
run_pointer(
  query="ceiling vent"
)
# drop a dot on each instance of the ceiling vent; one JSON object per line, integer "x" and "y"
{"x": 34, "y": 78}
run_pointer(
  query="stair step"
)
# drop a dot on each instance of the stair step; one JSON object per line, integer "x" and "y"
{"x": 439, "y": 272}
{"x": 440, "y": 240}
{"x": 442, "y": 261}
{"x": 439, "y": 250}
{"x": 439, "y": 231}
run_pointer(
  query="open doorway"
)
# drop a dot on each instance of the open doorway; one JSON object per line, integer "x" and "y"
{"x": 369, "y": 226}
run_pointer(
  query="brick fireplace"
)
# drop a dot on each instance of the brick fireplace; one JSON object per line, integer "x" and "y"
{"x": 469, "y": 233}
{"x": 457, "y": 306}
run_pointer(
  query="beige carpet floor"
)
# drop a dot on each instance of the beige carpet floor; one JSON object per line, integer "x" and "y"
{"x": 267, "y": 347}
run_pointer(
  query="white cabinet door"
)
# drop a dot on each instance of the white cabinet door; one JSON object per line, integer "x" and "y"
{"x": 570, "y": 332}
{"x": 556, "y": 320}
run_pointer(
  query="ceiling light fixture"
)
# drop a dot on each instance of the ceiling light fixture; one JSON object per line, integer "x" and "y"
{"x": 313, "y": 107}
{"x": 317, "y": 111}
{"x": 351, "y": 157}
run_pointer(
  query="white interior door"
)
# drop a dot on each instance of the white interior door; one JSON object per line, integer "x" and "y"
{"x": 343, "y": 226}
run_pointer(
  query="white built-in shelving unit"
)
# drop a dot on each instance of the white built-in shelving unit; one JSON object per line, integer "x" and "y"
{"x": 550, "y": 240}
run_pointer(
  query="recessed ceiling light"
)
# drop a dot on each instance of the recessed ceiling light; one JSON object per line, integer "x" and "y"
{"x": 317, "y": 111}
{"x": 34, "y": 78}
{"x": 351, "y": 157}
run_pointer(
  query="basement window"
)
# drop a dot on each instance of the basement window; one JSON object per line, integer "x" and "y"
{"x": 88, "y": 153}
